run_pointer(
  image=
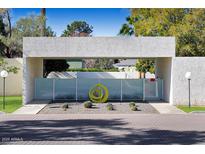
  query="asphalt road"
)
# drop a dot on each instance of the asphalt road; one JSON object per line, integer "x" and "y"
{"x": 140, "y": 129}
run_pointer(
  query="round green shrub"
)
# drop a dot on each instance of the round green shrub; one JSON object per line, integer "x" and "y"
{"x": 133, "y": 108}
{"x": 109, "y": 107}
{"x": 132, "y": 104}
{"x": 65, "y": 106}
{"x": 88, "y": 104}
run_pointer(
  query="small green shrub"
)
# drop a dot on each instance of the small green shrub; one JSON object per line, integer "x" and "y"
{"x": 65, "y": 106}
{"x": 88, "y": 104}
{"x": 132, "y": 104}
{"x": 109, "y": 107}
{"x": 133, "y": 108}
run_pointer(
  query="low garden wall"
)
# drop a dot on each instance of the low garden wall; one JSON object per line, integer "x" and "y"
{"x": 13, "y": 81}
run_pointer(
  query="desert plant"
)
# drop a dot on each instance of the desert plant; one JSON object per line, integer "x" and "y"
{"x": 109, "y": 107}
{"x": 133, "y": 108}
{"x": 65, "y": 106}
{"x": 88, "y": 104}
{"x": 131, "y": 104}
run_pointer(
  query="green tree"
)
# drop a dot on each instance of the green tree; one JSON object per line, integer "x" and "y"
{"x": 2, "y": 27}
{"x": 4, "y": 66}
{"x": 145, "y": 65}
{"x": 104, "y": 63}
{"x": 25, "y": 27}
{"x": 43, "y": 26}
{"x": 142, "y": 65}
{"x": 127, "y": 28}
{"x": 7, "y": 31}
{"x": 2, "y": 32}
{"x": 78, "y": 28}
{"x": 187, "y": 25}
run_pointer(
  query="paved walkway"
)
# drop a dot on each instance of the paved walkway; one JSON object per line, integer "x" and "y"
{"x": 102, "y": 129}
{"x": 166, "y": 108}
{"x": 30, "y": 109}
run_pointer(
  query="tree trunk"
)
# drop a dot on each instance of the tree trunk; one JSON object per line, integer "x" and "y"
{"x": 9, "y": 22}
{"x": 8, "y": 52}
{"x": 43, "y": 26}
{"x": 142, "y": 75}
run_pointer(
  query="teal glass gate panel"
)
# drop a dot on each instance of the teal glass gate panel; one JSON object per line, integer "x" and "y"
{"x": 160, "y": 89}
{"x": 43, "y": 89}
{"x": 114, "y": 88}
{"x": 132, "y": 89}
{"x": 153, "y": 89}
{"x": 65, "y": 89}
{"x": 78, "y": 89}
{"x": 83, "y": 87}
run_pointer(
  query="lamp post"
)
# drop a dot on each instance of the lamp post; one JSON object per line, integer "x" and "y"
{"x": 188, "y": 76}
{"x": 4, "y": 74}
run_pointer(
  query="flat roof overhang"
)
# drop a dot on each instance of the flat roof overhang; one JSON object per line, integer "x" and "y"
{"x": 98, "y": 47}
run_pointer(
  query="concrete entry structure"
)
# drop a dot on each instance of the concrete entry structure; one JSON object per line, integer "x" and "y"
{"x": 35, "y": 49}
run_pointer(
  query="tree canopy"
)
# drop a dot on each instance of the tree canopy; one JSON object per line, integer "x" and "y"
{"x": 78, "y": 28}
{"x": 12, "y": 39}
{"x": 187, "y": 25}
{"x": 5, "y": 66}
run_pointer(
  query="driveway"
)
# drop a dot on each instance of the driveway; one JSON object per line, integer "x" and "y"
{"x": 102, "y": 129}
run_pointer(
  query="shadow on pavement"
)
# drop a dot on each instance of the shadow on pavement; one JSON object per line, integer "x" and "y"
{"x": 93, "y": 131}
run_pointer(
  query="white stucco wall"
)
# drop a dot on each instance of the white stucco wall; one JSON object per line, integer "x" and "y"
{"x": 195, "y": 65}
{"x": 99, "y": 47}
{"x": 13, "y": 81}
{"x": 32, "y": 68}
{"x": 164, "y": 71}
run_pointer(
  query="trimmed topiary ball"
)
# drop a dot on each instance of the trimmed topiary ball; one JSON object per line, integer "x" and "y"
{"x": 88, "y": 104}
{"x": 65, "y": 106}
{"x": 133, "y": 108}
{"x": 109, "y": 107}
{"x": 132, "y": 104}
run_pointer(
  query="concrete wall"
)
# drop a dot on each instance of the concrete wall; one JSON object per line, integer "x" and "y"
{"x": 195, "y": 65}
{"x": 32, "y": 68}
{"x": 87, "y": 47}
{"x": 109, "y": 75}
{"x": 164, "y": 71}
{"x": 13, "y": 81}
{"x": 99, "y": 47}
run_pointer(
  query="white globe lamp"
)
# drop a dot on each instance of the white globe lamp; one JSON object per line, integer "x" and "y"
{"x": 4, "y": 74}
{"x": 188, "y": 76}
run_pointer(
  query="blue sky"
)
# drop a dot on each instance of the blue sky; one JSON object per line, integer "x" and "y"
{"x": 105, "y": 22}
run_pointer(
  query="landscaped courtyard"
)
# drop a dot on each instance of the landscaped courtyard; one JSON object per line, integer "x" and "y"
{"x": 98, "y": 108}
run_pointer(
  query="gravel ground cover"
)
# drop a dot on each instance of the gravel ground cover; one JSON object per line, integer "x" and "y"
{"x": 98, "y": 108}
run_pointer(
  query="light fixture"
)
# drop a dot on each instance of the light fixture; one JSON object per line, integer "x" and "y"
{"x": 188, "y": 76}
{"x": 4, "y": 74}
